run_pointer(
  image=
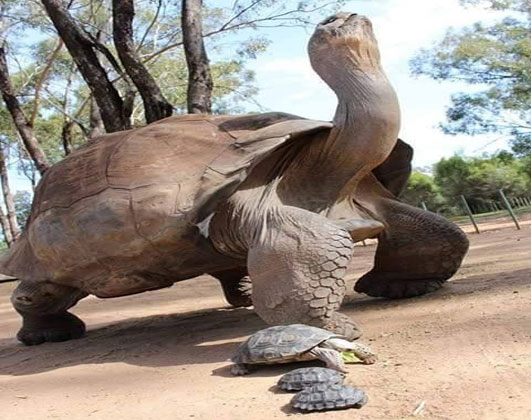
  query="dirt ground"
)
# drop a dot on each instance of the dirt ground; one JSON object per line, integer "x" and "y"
{"x": 463, "y": 352}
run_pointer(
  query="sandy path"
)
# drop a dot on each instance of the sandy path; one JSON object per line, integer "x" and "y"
{"x": 464, "y": 350}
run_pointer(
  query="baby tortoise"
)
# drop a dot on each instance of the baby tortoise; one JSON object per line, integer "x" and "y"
{"x": 322, "y": 397}
{"x": 299, "y": 379}
{"x": 294, "y": 343}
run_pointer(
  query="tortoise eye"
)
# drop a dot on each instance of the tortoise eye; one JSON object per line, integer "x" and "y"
{"x": 329, "y": 20}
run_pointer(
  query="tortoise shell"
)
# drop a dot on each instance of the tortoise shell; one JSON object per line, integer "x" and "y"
{"x": 299, "y": 379}
{"x": 113, "y": 217}
{"x": 121, "y": 214}
{"x": 280, "y": 344}
{"x": 322, "y": 397}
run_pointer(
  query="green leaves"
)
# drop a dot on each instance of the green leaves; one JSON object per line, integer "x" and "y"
{"x": 495, "y": 57}
{"x": 350, "y": 357}
{"x": 477, "y": 178}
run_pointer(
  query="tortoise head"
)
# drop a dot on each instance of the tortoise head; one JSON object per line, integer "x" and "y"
{"x": 342, "y": 47}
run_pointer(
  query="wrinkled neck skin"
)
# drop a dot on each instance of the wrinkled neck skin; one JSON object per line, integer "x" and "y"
{"x": 366, "y": 125}
{"x": 322, "y": 174}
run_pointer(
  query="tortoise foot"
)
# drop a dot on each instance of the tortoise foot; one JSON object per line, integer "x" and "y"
{"x": 343, "y": 325}
{"x": 371, "y": 285}
{"x": 239, "y": 370}
{"x": 50, "y": 328}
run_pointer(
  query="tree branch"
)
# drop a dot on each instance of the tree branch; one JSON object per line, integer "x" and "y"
{"x": 156, "y": 106}
{"x": 42, "y": 78}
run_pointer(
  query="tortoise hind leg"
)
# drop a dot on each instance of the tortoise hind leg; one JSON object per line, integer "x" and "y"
{"x": 43, "y": 307}
{"x": 236, "y": 286}
{"x": 416, "y": 254}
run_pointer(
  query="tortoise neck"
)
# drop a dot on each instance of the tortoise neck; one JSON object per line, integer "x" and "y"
{"x": 365, "y": 131}
{"x": 366, "y": 121}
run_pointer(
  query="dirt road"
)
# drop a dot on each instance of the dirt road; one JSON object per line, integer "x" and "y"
{"x": 464, "y": 351}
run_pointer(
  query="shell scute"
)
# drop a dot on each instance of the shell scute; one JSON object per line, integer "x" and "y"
{"x": 280, "y": 343}
{"x": 329, "y": 396}
{"x": 299, "y": 379}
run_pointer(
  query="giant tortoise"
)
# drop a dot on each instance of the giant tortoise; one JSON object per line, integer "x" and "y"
{"x": 274, "y": 196}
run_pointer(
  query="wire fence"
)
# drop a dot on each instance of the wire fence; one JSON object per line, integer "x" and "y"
{"x": 487, "y": 211}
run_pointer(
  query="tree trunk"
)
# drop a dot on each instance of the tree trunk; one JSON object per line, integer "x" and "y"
{"x": 199, "y": 77}
{"x": 156, "y": 106}
{"x": 8, "y": 198}
{"x": 8, "y": 238}
{"x": 81, "y": 48}
{"x": 19, "y": 118}
{"x": 96, "y": 127}
{"x": 66, "y": 135}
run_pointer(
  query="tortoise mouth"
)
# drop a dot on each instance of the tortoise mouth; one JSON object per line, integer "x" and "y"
{"x": 343, "y": 42}
{"x": 350, "y": 24}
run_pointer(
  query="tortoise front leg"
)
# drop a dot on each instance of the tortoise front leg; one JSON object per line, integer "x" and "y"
{"x": 331, "y": 357}
{"x": 416, "y": 254}
{"x": 297, "y": 265}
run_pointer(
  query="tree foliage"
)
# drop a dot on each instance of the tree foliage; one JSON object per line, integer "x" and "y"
{"x": 497, "y": 59}
{"x": 477, "y": 178}
{"x": 421, "y": 188}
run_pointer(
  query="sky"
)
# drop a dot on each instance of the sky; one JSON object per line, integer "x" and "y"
{"x": 287, "y": 82}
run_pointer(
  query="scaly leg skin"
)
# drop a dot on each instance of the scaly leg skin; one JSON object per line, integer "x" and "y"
{"x": 236, "y": 286}
{"x": 297, "y": 265}
{"x": 416, "y": 254}
{"x": 43, "y": 307}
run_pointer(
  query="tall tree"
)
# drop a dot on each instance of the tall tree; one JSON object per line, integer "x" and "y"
{"x": 8, "y": 197}
{"x": 82, "y": 50}
{"x": 8, "y": 238}
{"x": 23, "y": 125}
{"x": 156, "y": 106}
{"x": 495, "y": 57}
{"x": 199, "y": 78}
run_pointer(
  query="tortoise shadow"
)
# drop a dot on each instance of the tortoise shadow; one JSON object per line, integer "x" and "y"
{"x": 208, "y": 336}
{"x": 199, "y": 337}
{"x": 267, "y": 371}
{"x": 483, "y": 283}
{"x": 289, "y": 410}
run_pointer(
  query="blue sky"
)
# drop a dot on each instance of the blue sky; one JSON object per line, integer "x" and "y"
{"x": 287, "y": 82}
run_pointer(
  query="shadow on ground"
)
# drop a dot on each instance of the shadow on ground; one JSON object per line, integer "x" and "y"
{"x": 208, "y": 336}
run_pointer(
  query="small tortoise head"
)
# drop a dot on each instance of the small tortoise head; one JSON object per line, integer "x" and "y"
{"x": 341, "y": 45}
{"x": 360, "y": 350}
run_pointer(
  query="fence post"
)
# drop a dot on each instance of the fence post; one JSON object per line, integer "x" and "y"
{"x": 509, "y": 208}
{"x": 469, "y": 212}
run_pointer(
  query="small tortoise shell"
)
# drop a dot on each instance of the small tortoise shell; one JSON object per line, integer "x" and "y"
{"x": 322, "y": 397}
{"x": 299, "y": 379}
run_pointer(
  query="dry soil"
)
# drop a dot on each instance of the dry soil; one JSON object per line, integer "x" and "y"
{"x": 461, "y": 353}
